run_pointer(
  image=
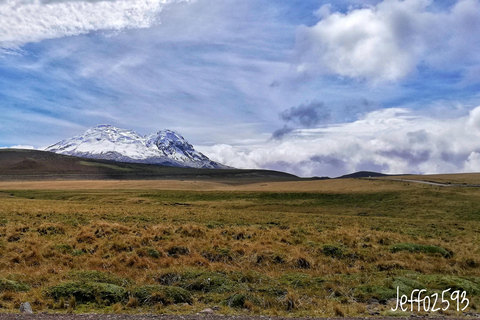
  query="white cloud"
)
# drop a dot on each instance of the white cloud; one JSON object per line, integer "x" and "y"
{"x": 391, "y": 141}
{"x": 386, "y": 42}
{"x": 24, "y": 21}
{"x": 19, "y": 147}
{"x": 473, "y": 162}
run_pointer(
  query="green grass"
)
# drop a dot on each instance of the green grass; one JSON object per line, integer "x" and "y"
{"x": 88, "y": 292}
{"x": 104, "y": 165}
{"x": 152, "y": 294}
{"x": 98, "y": 277}
{"x": 413, "y": 247}
{"x": 11, "y": 285}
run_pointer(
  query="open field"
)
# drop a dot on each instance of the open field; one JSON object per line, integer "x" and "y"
{"x": 455, "y": 178}
{"x": 297, "y": 248}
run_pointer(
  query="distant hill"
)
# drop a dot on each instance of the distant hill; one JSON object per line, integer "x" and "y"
{"x": 363, "y": 174}
{"x": 20, "y": 164}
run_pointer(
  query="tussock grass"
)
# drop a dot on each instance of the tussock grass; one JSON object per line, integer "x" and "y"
{"x": 152, "y": 294}
{"x": 87, "y": 291}
{"x": 413, "y": 247}
{"x": 306, "y": 253}
{"x": 11, "y": 285}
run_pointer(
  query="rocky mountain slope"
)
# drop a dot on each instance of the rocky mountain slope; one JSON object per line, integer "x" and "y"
{"x": 166, "y": 147}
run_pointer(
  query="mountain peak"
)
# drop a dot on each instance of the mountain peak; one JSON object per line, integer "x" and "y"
{"x": 166, "y": 147}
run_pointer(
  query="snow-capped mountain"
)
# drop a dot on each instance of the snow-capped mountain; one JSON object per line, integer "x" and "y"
{"x": 166, "y": 147}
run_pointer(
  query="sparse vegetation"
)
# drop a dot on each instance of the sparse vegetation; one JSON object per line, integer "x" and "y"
{"x": 272, "y": 252}
{"x": 413, "y": 247}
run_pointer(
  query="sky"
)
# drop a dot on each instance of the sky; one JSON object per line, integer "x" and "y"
{"x": 310, "y": 87}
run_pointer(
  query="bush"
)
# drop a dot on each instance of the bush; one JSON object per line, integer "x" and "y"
{"x": 413, "y": 247}
{"x": 154, "y": 253}
{"x": 302, "y": 263}
{"x": 218, "y": 255}
{"x": 177, "y": 251}
{"x": 152, "y": 294}
{"x": 98, "y": 276}
{"x": 85, "y": 292}
{"x": 10, "y": 285}
{"x": 168, "y": 278}
{"x": 48, "y": 230}
{"x": 207, "y": 282}
{"x": 241, "y": 300}
{"x": 300, "y": 280}
{"x": 442, "y": 282}
{"x": 333, "y": 250}
{"x": 64, "y": 248}
{"x": 78, "y": 252}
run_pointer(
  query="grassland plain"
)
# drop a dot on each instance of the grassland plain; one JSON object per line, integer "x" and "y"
{"x": 311, "y": 248}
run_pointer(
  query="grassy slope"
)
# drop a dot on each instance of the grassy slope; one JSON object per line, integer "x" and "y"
{"x": 27, "y": 165}
{"x": 318, "y": 248}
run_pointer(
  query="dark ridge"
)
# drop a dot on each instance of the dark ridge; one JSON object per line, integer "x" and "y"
{"x": 363, "y": 174}
{"x": 317, "y": 178}
{"x": 20, "y": 164}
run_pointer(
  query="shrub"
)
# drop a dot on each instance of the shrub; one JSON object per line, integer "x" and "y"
{"x": 10, "y": 285}
{"x": 442, "y": 282}
{"x": 249, "y": 276}
{"x": 413, "y": 247}
{"x": 78, "y": 252}
{"x": 273, "y": 291}
{"x": 98, "y": 276}
{"x": 154, "y": 253}
{"x": 300, "y": 280}
{"x": 241, "y": 300}
{"x": 207, "y": 282}
{"x": 177, "y": 251}
{"x": 333, "y": 250}
{"x": 85, "y": 292}
{"x": 64, "y": 248}
{"x": 302, "y": 263}
{"x": 151, "y": 294}
{"x": 236, "y": 301}
{"x": 388, "y": 289}
{"x": 168, "y": 278}
{"x": 50, "y": 230}
{"x": 218, "y": 255}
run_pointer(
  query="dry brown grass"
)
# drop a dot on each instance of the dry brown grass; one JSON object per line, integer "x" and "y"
{"x": 334, "y": 185}
{"x": 457, "y": 178}
{"x": 317, "y": 248}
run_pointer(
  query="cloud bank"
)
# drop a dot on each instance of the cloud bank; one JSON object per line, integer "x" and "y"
{"x": 388, "y": 41}
{"x": 395, "y": 140}
{"x": 24, "y": 21}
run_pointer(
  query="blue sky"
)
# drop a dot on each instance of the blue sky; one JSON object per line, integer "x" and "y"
{"x": 309, "y": 87}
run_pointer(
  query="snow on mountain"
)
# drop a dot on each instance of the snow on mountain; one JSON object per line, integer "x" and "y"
{"x": 166, "y": 147}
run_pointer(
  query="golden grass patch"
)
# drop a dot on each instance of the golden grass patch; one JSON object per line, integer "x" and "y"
{"x": 315, "y": 248}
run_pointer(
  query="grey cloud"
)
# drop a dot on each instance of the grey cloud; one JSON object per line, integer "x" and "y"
{"x": 274, "y": 84}
{"x": 454, "y": 158}
{"x": 371, "y": 166}
{"x": 388, "y": 141}
{"x": 355, "y": 109}
{"x": 330, "y": 165}
{"x": 278, "y": 134}
{"x": 412, "y": 157}
{"x": 420, "y": 136}
{"x": 307, "y": 115}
